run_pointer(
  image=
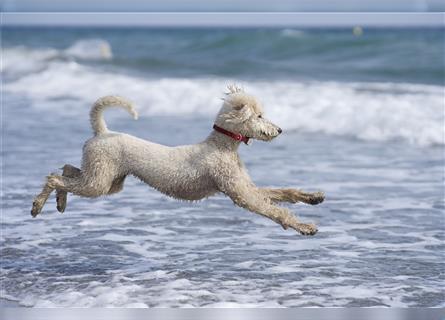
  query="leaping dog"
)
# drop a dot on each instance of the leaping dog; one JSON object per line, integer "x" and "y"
{"x": 190, "y": 172}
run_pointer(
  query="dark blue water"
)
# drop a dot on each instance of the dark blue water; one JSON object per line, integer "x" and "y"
{"x": 393, "y": 55}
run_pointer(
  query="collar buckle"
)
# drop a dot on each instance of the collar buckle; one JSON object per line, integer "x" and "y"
{"x": 234, "y": 136}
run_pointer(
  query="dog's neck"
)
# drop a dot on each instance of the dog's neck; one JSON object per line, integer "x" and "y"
{"x": 223, "y": 141}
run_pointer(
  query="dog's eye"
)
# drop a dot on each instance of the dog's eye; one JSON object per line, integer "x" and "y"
{"x": 260, "y": 116}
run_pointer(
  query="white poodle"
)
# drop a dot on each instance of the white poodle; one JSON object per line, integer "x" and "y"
{"x": 190, "y": 172}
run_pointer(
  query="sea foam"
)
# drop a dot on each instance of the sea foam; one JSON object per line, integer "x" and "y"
{"x": 364, "y": 110}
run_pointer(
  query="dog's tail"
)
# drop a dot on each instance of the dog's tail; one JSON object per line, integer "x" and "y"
{"x": 96, "y": 113}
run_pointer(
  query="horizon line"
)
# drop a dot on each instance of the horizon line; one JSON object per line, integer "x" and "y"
{"x": 220, "y": 19}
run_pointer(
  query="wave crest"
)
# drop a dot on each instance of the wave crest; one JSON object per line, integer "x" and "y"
{"x": 368, "y": 111}
{"x": 291, "y": 33}
{"x": 20, "y": 60}
{"x": 93, "y": 49}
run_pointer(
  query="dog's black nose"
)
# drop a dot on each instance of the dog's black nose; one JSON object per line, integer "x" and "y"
{"x": 279, "y": 130}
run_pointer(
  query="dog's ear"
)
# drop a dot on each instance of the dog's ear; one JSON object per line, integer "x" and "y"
{"x": 238, "y": 115}
{"x": 234, "y": 104}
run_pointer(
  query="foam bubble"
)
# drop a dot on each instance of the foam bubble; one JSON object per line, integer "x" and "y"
{"x": 97, "y": 295}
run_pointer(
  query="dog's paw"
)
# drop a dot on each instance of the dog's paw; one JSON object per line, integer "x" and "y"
{"x": 36, "y": 208}
{"x": 316, "y": 198}
{"x": 307, "y": 229}
{"x": 61, "y": 197}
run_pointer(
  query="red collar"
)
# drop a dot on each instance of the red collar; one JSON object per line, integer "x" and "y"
{"x": 235, "y": 136}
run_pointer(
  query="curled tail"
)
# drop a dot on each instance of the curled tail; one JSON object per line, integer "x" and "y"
{"x": 96, "y": 113}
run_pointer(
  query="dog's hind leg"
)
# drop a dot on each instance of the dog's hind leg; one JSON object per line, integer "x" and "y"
{"x": 293, "y": 196}
{"x": 117, "y": 185}
{"x": 61, "y": 196}
{"x": 40, "y": 199}
{"x": 90, "y": 185}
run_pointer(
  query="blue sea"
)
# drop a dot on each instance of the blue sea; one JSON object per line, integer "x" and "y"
{"x": 363, "y": 121}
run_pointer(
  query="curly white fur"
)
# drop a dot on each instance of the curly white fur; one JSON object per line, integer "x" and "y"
{"x": 190, "y": 172}
{"x": 96, "y": 113}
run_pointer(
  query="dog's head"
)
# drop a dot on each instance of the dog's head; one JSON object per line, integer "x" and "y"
{"x": 242, "y": 113}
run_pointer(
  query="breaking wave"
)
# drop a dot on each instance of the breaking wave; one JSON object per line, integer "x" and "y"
{"x": 369, "y": 111}
{"x": 21, "y": 60}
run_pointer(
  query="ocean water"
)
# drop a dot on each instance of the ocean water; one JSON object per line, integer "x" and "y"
{"x": 363, "y": 121}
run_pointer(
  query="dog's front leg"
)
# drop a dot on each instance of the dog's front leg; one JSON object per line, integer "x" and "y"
{"x": 293, "y": 196}
{"x": 250, "y": 197}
